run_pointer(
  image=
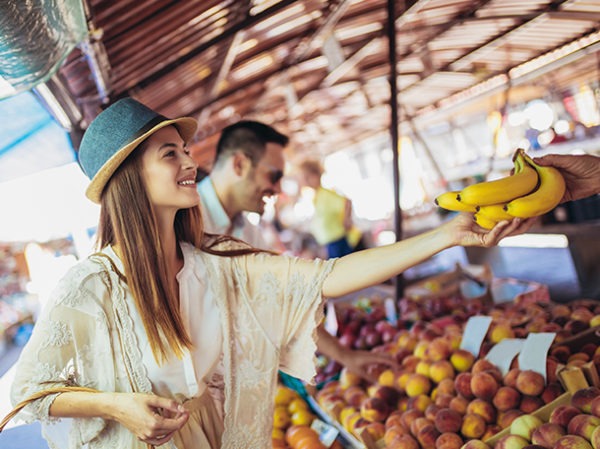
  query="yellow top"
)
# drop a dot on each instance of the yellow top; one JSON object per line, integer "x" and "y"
{"x": 328, "y": 222}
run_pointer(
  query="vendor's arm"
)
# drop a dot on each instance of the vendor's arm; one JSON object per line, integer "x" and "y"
{"x": 356, "y": 361}
{"x": 375, "y": 265}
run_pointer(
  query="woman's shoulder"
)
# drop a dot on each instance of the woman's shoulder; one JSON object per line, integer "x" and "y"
{"x": 86, "y": 276}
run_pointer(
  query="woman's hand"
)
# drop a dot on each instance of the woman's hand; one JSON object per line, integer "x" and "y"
{"x": 466, "y": 232}
{"x": 152, "y": 419}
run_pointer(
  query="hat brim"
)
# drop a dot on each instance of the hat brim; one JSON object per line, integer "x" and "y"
{"x": 185, "y": 125}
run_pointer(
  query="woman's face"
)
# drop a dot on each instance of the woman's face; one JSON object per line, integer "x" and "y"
{"x": 168, "y": 171}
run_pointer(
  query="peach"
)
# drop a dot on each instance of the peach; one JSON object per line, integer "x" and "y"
{"x": 473, "y": 426}
{"x": 438, "y": 349}
{"x": 484, "y": 385}
{"x": 427, "y": 436}
{"x": 431, "y": 411}
{"x": 560, "y": 352}
{"x": 572, "y": 442}
{"x": 506, "y": 418}
{"x": 490, "y": 431}
{"x": 443, "y": 400}
{"x": 446, "y": 386}
{"x": 417, "y": 384}
{"x": 552, "y": 391}
{"x": 448, "y": 420}
{"x": 441, "y": 370}
{"x": 547, "y": 434}
{"x": 562, "y": 414}
{"x": 506, "y": 398}
{"x": 511, "y": 441}
{"x": 350, "y": 421}
{"x": 374, "y": 409}
{"x": 387, "y": 378}
{"x": 595, "y": 321}
{"x": 481, "y": 365}
{"x": 475, "y": 444}
{"x": 410, "y": 362}
{"x": 404, "y": 441}
{"x": 595, "y": 407}
{"x": 375, "y": 429}
{"x": 484, "y": 409}
{"x": 402, "y": 380}
{"x": 449, "y": 440}
{"x": 530, "y": 404}
{"x": 582, "y": 399}
{"x": 388, "y": 394}
{"x": 499, "y": 332}
{"x": 423, "y": 367}
{"x": 418, "y": 424}
{"x": 345, "y": 415}
{"x": 409, "y": 416}
{"x": 462, "y": 360}
{"x": 462, "y": 384}
{"x": 420, "y": 402}
{"x": 530, "y": 382}
{"x": 595, "y": 438}
{"x": 348, "y": 378}
{"x": 459, "y": 404}
{"x": 510, "y": 378}
{"x": 394, "y": 419}
{"x": 583, "y": 425}
{"x": 524, "y": 425}
{"x": 355, "y": 395}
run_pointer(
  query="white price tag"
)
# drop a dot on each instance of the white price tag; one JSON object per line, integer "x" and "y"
{"x": 474, "y": 333}
{"x": 534, "y": 352}
{"x": 327, "y": 433}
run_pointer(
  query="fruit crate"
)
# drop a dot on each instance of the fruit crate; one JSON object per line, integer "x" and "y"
{"x": 573, "y": 379}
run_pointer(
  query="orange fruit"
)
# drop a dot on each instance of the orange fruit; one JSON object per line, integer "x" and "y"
{"x": 284, "y": 395}
{"x": 302, "y": 418}
{"x": 295, "y": 433}
{"x": 297, "y": 404}
{"x": 309, "y": 442}
{"x": 281, "y": 417}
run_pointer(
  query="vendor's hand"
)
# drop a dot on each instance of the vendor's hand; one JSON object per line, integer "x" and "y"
{"x": 362, "y": 362}
{"x": 152, "y": 419}
{"x": 581, "y": 173}
{"x": 466, "y": 232}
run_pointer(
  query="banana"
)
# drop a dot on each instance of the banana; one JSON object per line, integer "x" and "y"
{"x": 483, "y": 221}
{"x": 448, "y": 201}
{"x": 545, "y": 198}
{"x": 494, "y": 212}
{"x": 522, "y": 182}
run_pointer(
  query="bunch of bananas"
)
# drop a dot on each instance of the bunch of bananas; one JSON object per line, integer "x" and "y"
{"x": 531, "y": 190}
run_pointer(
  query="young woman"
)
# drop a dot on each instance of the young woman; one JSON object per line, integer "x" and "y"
{"x": 179, "y": 334}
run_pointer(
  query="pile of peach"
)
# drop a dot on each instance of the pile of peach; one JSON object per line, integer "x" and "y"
{"x": 573, "y": 426}
{"x": 443, "y": 396}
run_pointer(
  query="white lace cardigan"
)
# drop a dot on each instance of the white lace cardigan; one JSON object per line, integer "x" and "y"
{"x": 269, "y": 306}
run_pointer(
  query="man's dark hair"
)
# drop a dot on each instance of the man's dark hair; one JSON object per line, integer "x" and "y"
{"x": 250, "y": 137}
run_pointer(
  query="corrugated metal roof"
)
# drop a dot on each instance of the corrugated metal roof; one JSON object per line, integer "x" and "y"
{"x": 276, "y": 60}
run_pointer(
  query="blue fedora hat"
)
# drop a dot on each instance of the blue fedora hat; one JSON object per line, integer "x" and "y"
{"x": 115, "y": 133}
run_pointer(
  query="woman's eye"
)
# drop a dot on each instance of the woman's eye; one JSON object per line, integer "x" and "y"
{"x": 169, "y": 153}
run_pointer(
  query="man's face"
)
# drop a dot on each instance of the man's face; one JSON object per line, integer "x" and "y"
{"x": 262, "y": 180}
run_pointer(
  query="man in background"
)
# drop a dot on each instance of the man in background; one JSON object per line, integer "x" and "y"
{"x": 248, "y": 167}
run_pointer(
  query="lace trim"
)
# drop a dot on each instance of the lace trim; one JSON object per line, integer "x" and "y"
{"x": 130, "y": 346}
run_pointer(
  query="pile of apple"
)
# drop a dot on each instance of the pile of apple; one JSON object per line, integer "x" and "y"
{"x": 571, "y": 426}
{"x": 443, "y": 396}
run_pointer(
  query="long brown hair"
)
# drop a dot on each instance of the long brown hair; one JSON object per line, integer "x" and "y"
{"x": 126, "y": 218}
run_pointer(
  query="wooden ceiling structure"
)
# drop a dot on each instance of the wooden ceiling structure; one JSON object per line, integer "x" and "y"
{"x": 319, "y": 69}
